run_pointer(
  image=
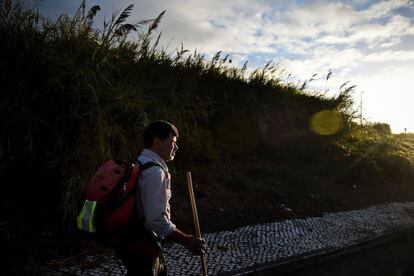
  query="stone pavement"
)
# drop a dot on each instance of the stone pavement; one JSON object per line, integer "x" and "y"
{"x": 236, "y": 252}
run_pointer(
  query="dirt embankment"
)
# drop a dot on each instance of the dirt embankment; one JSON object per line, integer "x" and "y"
{"x": 231, "y": 195}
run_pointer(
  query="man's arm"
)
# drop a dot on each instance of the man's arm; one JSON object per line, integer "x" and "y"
{"x": 153, "y": 196}
{"x": 193, "y": 244}
{"x": 157, "y": 219}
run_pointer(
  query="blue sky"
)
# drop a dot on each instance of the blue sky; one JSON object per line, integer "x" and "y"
{"x": 368, "y": 43}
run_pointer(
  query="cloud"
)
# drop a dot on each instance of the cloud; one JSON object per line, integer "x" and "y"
{"x": 407, "y": 56}
{"x": 373, "y": 34}
{"x": 323, "y": 17}
{"x": 384, "y": 8}
{"x": 212, "y": 26}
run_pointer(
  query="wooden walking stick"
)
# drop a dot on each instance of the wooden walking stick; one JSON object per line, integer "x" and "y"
{"x": 195, "y": 217}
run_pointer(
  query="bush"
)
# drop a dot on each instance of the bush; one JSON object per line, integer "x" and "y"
{"x": 397, "y": 168}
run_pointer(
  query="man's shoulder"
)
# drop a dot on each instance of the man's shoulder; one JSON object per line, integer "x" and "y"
{"x": 150, "y": 168}
{"x": 148, "y": 157}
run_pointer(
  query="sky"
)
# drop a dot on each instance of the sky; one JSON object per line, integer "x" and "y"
{"x": 369, "y": 44}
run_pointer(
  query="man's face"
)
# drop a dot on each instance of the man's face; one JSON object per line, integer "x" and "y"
{"x": 166, "y": 149}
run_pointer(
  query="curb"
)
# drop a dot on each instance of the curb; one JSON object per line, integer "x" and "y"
{"x": 320, "y": 256}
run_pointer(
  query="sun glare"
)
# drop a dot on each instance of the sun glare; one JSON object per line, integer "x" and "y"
{"x": 390, "y": 101}
{"x": 326, "y": 122}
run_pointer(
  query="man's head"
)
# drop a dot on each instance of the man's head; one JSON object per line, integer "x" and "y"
{"x": 161, "y": 137}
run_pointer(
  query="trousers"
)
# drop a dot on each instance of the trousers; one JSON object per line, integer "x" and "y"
{"x": 140, "y": 252}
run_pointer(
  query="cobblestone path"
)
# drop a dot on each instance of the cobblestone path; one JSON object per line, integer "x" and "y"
{"x": 264, "y": 243}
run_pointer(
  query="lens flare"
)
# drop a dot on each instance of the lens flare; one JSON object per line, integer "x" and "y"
{"x": 326, "y": 122}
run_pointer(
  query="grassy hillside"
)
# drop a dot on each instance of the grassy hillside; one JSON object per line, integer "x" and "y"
{"x": 73, "y": 96}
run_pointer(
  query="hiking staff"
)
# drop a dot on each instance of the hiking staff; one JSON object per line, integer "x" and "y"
{"x": 195, "y": 217}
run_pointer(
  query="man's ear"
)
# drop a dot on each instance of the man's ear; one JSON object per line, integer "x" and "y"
{"x": 155, "y": 142}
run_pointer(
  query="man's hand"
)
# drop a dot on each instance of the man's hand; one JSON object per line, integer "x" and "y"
{"x": 195, "y": 245}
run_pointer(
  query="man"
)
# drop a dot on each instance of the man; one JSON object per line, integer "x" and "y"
{"x": 143, "y": 255}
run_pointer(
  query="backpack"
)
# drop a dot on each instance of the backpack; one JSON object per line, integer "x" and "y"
{"x": 111, "y": 198}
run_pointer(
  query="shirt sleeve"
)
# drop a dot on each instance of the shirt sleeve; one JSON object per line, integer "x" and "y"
{"x": 155, "y": 197}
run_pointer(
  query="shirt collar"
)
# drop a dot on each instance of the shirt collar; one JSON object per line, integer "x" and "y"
{"x": 155, "y": 158}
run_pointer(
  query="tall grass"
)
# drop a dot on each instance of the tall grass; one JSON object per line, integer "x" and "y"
{"x": 73, "y": 96}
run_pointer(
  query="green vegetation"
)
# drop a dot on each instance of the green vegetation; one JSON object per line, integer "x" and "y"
{"x": 73, "y": 96}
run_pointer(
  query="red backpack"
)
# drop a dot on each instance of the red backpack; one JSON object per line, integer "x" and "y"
{"x": 111, "y": 198}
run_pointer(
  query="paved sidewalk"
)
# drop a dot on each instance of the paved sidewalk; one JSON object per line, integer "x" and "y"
{"x": 235, "y": 252}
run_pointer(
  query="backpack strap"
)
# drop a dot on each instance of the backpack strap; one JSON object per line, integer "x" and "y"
{"x": 148, "y": 165}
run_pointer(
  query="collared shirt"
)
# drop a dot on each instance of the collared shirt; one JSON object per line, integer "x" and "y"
{"x": 154, "y": 193}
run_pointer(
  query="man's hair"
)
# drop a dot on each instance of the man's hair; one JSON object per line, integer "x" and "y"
{"x": 158, "y": 129}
